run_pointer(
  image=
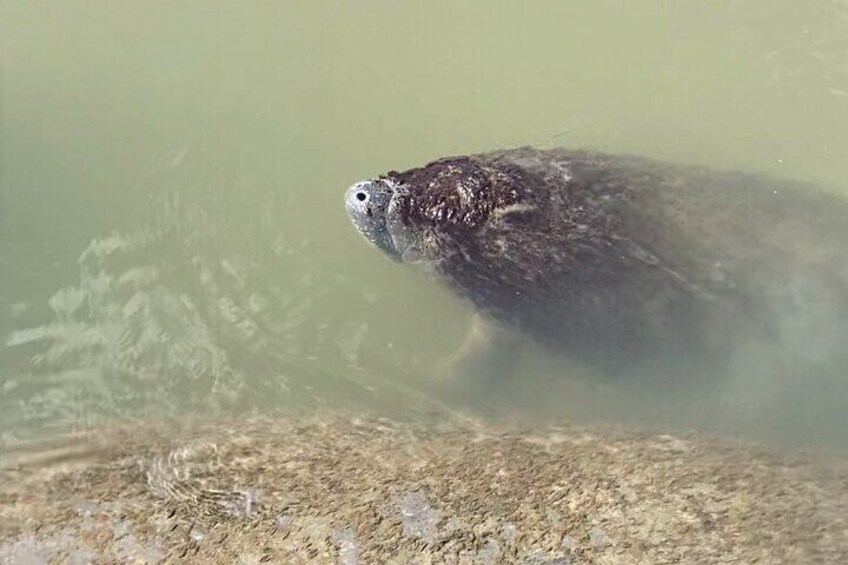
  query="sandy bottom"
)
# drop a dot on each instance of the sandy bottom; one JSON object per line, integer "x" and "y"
{"x": 336, "y": 489}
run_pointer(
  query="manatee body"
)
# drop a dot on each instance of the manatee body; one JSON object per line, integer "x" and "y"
{"x": 619, "y": 262}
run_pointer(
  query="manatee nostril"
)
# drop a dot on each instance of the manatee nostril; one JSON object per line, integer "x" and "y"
{"x": 361, "y": 196}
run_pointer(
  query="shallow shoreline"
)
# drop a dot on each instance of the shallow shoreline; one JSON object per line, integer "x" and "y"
{"x": 341, "y": 489}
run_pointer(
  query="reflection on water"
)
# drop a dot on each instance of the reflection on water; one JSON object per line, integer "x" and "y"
{"x": 184, "y": 317}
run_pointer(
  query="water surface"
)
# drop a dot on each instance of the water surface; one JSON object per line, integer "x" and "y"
{"x": 173, "y": 236}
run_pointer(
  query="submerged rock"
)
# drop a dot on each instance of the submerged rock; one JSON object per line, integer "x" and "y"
{"x": 333, "y": 489}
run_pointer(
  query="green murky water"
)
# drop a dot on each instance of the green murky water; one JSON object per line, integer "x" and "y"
{"x": 173, "y": 236}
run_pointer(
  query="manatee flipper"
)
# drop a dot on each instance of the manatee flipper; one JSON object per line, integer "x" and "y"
{"x": 489, "y": 352}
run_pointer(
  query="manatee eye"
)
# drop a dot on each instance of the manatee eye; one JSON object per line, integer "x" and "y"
{"x": 361, "y": 196}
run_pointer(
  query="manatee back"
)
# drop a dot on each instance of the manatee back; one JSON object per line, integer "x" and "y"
{"x": 631, "y": 260}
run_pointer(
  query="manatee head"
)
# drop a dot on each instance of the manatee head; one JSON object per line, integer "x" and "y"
{"x": 438, "y": 211}
{"x": 372, "y": 207}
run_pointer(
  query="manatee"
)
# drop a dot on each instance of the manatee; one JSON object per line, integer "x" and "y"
{"x": 619, "y": 262}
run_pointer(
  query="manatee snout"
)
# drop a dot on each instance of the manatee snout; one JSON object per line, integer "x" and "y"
{"x": 367, "y": 203}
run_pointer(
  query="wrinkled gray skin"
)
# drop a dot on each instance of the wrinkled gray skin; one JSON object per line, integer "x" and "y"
{"x": 618, "y": 262}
